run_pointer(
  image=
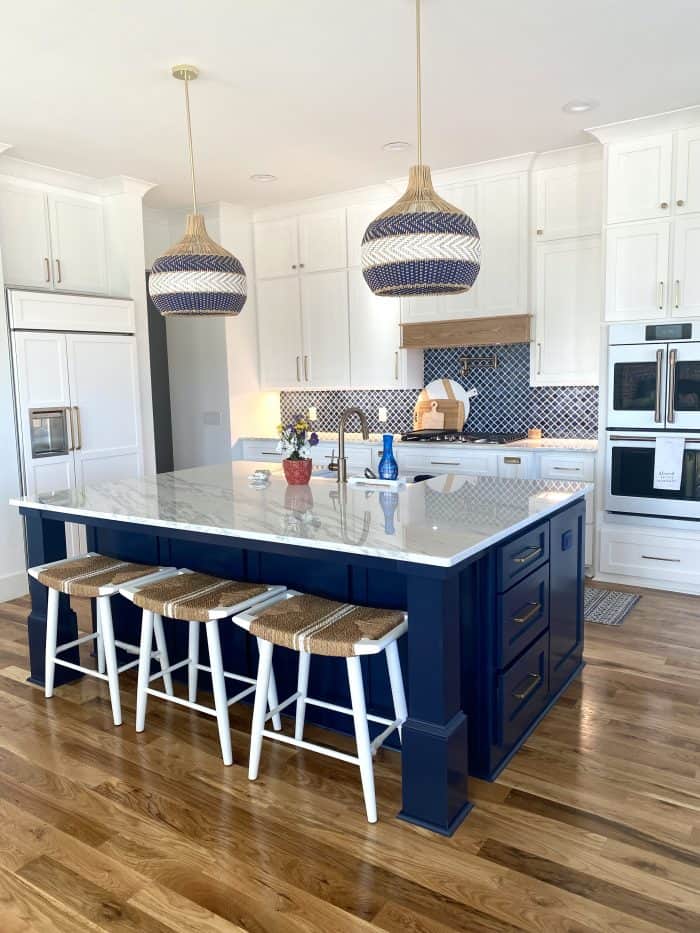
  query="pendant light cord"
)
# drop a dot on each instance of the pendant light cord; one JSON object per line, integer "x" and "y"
{"x": 189, "y": 144}
{"x": 418, "y": 86}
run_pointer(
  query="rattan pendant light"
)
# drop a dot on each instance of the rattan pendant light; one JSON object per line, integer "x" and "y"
{"x": 422, "y": 244}
{"x": 196, "y": 276}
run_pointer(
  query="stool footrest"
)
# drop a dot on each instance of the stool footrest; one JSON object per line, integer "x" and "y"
{"x": 180, "y": 702}
{"x": 79, "y": 667}
{"x": 311, "y": 746}
{"x": 78, "y": 641}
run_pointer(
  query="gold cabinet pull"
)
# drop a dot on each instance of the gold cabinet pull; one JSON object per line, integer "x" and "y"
{"x": 59, "y": 277}
{"x": 78, "y": 428}
{"x": 661, "y": 296}
{"x": 677, "y": 293}
{"x": 396, "y": 364}
{"x": 664, "y": 205}
{"x": 527, "y": 615}
{"x": 512, "y": 459}
{"x": 530, "y": 683}
{"x": 306, "y": 368}
{"x": 298, "y": 369}
{"x": 530, "y": 553}
{"x": 47, "y": 269}
{"x": 680, "y": 202}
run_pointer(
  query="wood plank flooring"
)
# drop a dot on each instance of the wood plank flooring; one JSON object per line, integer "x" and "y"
{"x": 595, "y": 825}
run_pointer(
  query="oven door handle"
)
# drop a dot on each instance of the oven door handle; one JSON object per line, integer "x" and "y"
{"x": 658, "y": 415}
{"x": 648, "y": 440}
{"x": 671, "y": 387}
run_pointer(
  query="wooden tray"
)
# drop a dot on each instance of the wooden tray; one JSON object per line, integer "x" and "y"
{"x": 452, "y": 409}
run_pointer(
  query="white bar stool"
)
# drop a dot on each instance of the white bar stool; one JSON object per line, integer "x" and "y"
{"x": 313, "y": 625}
{"x": 196, "y": 598}
{"x": 94, "y": 576}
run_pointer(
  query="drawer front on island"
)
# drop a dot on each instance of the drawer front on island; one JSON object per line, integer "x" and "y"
{"x": 522, "y": 615}
{"x": 522, "y": 693}
{"x": 520, "y": 556}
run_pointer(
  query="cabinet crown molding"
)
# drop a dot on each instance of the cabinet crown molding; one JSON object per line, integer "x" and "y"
{"x": 125, "y": 184}
{"x": 509, "y": 165}
{"x": 639, "y": 127}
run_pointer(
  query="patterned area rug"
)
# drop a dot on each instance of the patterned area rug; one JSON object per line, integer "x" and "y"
{"x": 607, "y": 607}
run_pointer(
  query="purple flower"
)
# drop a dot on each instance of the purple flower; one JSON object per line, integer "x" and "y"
{"x": 313, "y": 439}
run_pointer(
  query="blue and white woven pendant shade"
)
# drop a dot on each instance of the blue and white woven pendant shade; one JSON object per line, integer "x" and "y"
{"x": 421, "y": 245}
{"x": 197, "y": 276}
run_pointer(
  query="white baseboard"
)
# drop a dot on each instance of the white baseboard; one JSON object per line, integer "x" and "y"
{"x": 13, "y": 585}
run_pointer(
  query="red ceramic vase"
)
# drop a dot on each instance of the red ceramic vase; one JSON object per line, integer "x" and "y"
{"x": 297, "y": 472}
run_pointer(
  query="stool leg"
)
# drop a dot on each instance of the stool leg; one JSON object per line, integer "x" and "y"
{"x": 144, "y": 668}
{"x": 396, "y": 681}
{"x": 104, "y": 610}
{"x": 162, "y": 647}
{"x": 51, "y": 636}
{"x": 273, "y": 701}
{"x": 219, "y": 686}
{"x": 100, "y": 646}
{"x": 260, "y": 707}
{"x": 364, "y": 753}
{"x": 193, "y": 655}
{"x": 302, "y": 690}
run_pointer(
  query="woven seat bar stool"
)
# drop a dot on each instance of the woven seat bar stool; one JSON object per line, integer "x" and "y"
{"x": 313, "y": 625}
{"x": 98, "y": 577}
{"x": 196, "y": 598}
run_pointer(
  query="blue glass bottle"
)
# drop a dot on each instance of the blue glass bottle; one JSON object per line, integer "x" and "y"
{"x": 388, "y": 467}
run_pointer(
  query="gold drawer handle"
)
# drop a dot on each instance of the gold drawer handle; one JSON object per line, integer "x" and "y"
{"x": 532, "y": 682}
{"x": 530, "y": 553}
{"x": 527, "y": 616}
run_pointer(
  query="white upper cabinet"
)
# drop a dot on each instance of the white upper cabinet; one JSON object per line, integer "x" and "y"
{"x": 24, "y": 237}
{"x": 375, "y": 336}
{"x": 279, "y": 327}
{"x": 568, "y": 201}
{"x": 276, "y": 247}
{"x": 684, "y": 295}
{"x": 567, "y": 312}
{"x": 52, "y": 240}
{"x": 639, "y": 179}
{"x": 637, "y": 279}
{"x": 325, "y": 329}
{"x": 78, "y": 238}
{"x": 687, "y": 193}
{"x": 323, "y": 241}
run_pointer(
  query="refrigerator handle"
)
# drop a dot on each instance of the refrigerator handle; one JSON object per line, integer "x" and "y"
{"x": 671, "y": 387}
{"x": 658, "y": 415}
{"x": 78, "y": 430}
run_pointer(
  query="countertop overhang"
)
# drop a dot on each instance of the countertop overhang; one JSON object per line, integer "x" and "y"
{"x": 440, "y": 522}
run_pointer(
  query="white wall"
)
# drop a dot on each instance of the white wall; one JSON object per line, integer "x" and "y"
{"x": 13, "y": 577}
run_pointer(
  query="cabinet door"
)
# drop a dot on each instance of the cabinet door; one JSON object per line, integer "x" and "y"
{"x": 567, "y": 312}
{"x": 637, "y": 271}
{"x": 326, "y": 340}
{"x": 106, "y": 417}
{"x": 78, "y": 239}
{"x": 566, "y": 560}
{"x": 41, "y": 377}
{"x": 24, "y": 237}
{"x": 639, "y": 179}
{"x": 687, "y": 193}
{"x": 374, "y": 336}
{"x": 502, "y": 222}
{"x": 323, "y": 241}
{"x": 276, "y": 247}
{"x": 359, "y": 217}
{"x": 568, "y": 201}
{"x": 279, "y": 332}
{"x": 685, "y": 294}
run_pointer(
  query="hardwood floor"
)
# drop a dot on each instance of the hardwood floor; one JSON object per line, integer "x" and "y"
{"x": 595, "y": 826}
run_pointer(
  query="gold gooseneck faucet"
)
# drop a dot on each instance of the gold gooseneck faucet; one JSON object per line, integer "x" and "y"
{"x": 342, "y": 462}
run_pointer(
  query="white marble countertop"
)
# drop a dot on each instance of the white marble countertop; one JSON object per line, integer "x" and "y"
{"x": 578, "y": 444}
{"x": 439, "y": 522}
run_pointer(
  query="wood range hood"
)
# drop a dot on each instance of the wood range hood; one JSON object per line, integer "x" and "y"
{"x": 467, "y": 332}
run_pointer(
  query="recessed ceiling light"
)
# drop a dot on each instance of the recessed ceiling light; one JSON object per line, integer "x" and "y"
{"x": 579, "y": 106}
{"x": 398, "y": 145}
{"x": 263, "y": 177}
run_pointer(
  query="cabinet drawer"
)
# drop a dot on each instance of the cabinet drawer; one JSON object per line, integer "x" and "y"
{"x": 522, "y": 615}
{"x": 567, "y": 466}
{"x": 521, "y": 556}
{"x": 522, "y": 692}
{"x": 261, "y": 450}
{"x": 650, "y": 556}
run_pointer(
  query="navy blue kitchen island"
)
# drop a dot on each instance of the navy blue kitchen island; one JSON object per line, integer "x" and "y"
{"x": 490, "y": 571}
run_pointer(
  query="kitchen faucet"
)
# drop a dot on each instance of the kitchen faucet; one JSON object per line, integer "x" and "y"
{"x": 342, "y": 462}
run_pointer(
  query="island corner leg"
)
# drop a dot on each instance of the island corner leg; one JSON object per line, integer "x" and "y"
{"x": 435, "y": 758}
{"x": 46, "y": 541}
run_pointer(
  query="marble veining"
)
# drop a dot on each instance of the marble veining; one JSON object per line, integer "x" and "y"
{"x": 439, "y": 522}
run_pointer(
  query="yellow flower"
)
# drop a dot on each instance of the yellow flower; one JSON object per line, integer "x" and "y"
{"x": 280, "y": 428}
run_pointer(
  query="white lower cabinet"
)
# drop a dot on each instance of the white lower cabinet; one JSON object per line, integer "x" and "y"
{"x": 260, "y": 450}
{"x": 647, "y": 555}
{"x": 516, "y": 465}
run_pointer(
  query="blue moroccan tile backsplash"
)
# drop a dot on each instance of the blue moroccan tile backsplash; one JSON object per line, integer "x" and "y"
{"x": 506, "y": 400}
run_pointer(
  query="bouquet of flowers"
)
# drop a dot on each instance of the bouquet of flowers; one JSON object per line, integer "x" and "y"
{"x": 296, "y": 439}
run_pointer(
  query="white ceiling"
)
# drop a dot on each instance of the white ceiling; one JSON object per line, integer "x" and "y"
{"x": 310, "y": 90}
